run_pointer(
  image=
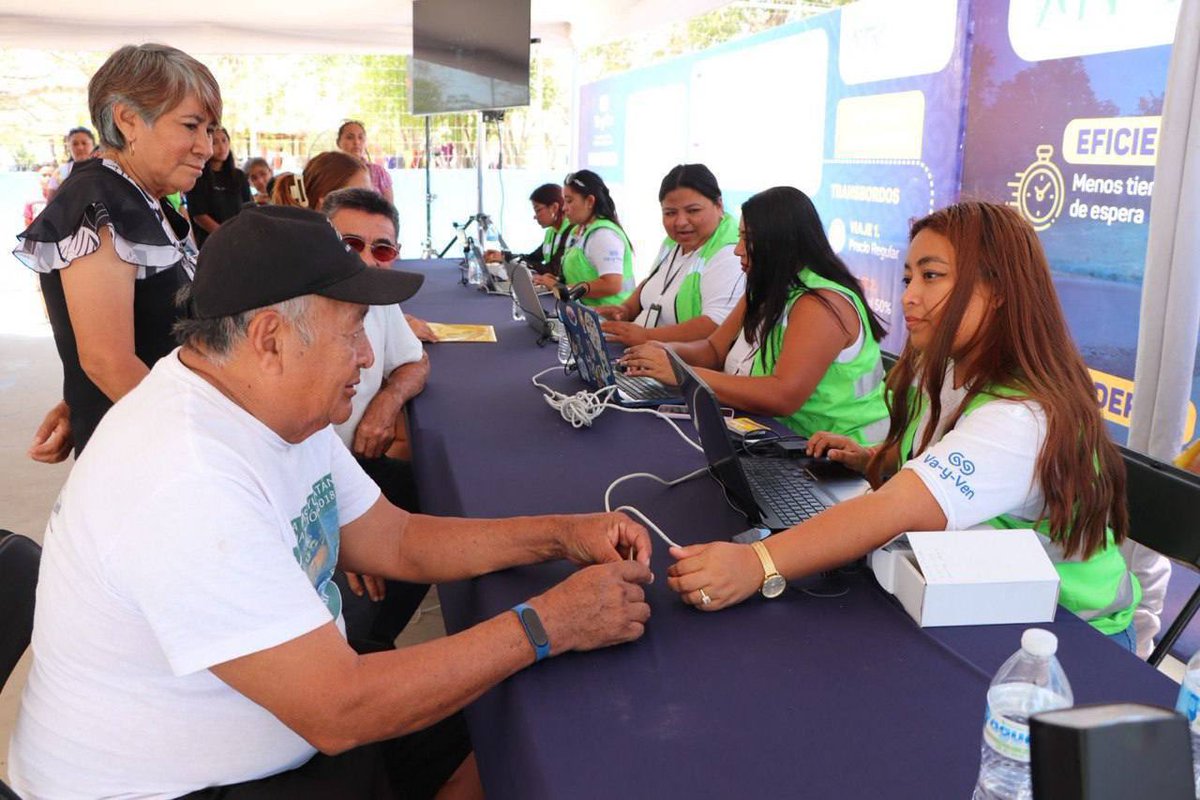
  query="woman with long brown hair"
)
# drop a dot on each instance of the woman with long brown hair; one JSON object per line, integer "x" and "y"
{"x": 993, "y": 424}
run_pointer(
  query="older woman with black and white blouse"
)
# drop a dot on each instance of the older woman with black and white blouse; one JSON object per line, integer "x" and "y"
{"x": 111, "y": 252}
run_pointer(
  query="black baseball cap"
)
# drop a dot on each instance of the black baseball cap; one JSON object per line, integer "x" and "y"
{"x": 267, "y": 255}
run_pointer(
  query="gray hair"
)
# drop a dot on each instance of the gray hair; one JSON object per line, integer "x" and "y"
{"x": 151, "y": 79}
{"x": 366, "y": 200}
{"x": 217, "y": 338}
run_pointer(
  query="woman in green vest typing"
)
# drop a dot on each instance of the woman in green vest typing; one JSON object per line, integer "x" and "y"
{"x": 547, "y": 201}
{"x": 802, "y": 345}
{"x": 697, "y": 278}
{"x": 993, "y": 424}
{"x": 599, "y": 259}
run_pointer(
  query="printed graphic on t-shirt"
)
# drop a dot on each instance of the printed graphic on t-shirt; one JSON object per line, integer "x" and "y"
{"x": 317, "y": 540}
{"x": 956, "y": 471}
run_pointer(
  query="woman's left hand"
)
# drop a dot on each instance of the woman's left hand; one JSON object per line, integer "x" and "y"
{"x": 52, "y": 442}
{"x": 548, "y": 281}
{"x": 715, "y": 575}
{"x": 648, "y": 360}
{"x": 626, "y": 333}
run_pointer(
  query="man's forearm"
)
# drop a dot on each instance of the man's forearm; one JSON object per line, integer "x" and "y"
{"x": 335, "y": 699}
{"x": 407, "y": 381}
{"x": 437, "y": 549}
{"x": 409, "y": 689}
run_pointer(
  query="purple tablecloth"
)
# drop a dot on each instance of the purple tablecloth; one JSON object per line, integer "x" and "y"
{"x": 802, "y": 697}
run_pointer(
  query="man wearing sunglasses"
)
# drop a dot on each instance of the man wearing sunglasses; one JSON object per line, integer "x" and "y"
{"x": 368, "y": 223}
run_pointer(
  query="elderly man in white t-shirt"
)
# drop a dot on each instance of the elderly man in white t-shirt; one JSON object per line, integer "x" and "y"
{"x": 188, "y": 633}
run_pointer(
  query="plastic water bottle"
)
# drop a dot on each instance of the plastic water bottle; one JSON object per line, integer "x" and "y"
{"x": 565, "y": 356}
{"x": 1030, "y": 681}
{"x": 1189, "y": 705}
{"x": 474, "y": 268}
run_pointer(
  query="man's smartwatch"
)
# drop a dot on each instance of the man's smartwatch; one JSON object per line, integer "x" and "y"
{"x": 773, "y": 583}
{"x": 534, "y": 629}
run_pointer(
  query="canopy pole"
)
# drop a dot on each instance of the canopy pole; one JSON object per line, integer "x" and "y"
{"x": 427, "y": 250}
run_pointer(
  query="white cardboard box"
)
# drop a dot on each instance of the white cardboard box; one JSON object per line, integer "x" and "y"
{"x": 977, "y": 577}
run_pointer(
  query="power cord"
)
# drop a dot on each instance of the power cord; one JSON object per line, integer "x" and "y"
{"x": 646, "y": 520}
{"x": 583, "y": 407}
{"x": 579, "y": 409}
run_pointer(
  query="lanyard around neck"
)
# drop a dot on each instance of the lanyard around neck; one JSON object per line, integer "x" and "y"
{"x": 670, "y": 276}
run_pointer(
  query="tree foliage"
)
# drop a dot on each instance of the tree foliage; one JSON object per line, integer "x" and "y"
{"x": 721, "y": 25}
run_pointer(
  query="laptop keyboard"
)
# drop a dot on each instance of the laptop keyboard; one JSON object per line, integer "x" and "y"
{"x": 783, "y": 486}
{"x": 643, "y": 388}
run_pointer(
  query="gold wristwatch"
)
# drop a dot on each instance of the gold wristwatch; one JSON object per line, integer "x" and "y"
{"x": 773, "y": 583}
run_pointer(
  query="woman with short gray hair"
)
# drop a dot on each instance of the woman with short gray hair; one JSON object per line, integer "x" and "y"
{"x": 110, "y": 253}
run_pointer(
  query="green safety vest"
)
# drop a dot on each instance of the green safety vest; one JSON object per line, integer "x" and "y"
{"x": 577, "y": 269}
{"x": 1100, "y": 590}
{"x": 688, "y": 301}
{"x": 551, "y": 239}
{"x": 849, "y": 398}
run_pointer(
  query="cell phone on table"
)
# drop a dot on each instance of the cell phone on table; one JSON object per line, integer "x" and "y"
{"x": 681, "y": 412}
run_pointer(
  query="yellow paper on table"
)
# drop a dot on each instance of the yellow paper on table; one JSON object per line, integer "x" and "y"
{"x": 463, "y": 333}
{"x": 744, "y": 425}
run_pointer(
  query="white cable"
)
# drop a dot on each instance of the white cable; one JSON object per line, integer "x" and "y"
{"x": 649, "y": 524}
{"x": 641, "y": 516}
{"x": 579, "y": 409}
{"x": 694, "y": 444}
{"x": 582, "y": 408}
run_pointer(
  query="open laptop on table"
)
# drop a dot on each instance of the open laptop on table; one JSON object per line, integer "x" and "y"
{"x": 526, "y": 296}
{"x": 775, "y": 493}
{"x": 596, "y": 367}
{"x": 497, "y": 276}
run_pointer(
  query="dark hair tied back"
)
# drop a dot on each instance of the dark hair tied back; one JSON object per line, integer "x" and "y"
{"x": 589, "y": 184}
{"x": 547, "y": 194}
{"x": 696, "y": 177}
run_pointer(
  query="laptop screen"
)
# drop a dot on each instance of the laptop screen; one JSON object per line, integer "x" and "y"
{"x": 527, "y": 297}
{"x": 714, "y": 436}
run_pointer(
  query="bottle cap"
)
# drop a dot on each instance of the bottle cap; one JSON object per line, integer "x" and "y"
{"x": 1038, "y": 642}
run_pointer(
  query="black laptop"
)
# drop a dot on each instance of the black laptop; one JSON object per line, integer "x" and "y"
{"x": 774, "y": 493}
{"x": 595, "y": 361}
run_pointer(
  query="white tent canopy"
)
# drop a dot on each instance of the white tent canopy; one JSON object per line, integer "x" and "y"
{"x": 278, "y": 26}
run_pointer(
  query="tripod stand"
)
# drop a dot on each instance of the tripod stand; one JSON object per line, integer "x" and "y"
{"x": 472, "y": 264}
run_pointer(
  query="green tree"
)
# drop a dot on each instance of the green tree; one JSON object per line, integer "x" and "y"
{"x": 701, "y": 32}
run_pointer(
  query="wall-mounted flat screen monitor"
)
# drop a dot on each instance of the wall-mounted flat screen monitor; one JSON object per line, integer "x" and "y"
{"x": 469, "y": 55}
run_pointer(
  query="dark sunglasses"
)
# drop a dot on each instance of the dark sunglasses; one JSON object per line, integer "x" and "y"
{"x": 382, "y": 250}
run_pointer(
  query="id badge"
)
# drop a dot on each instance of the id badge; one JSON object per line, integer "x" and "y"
{"x": 652, "y": 315}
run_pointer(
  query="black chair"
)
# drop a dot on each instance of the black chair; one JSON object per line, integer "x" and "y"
{"x": 1164, "y": 515}
{"x": 19, "y": 559}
